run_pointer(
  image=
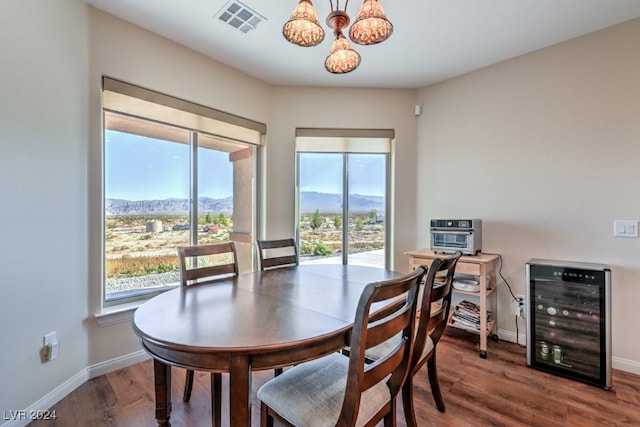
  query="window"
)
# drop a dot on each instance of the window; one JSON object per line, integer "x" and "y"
{"x": 160, "y": 157}
{"x": 343, "y": 196}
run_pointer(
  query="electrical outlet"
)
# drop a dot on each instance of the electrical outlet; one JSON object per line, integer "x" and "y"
{"x": 51, "y": 346}
{"x": 49, "y": 339}
{"x": 520, "y": 309}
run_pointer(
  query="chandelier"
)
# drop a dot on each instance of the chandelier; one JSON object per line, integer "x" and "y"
{"x": 371, "y": 26}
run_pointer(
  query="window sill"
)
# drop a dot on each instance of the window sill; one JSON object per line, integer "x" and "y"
{"x": 117, "y": 310}
{"x": 110, "y": 316}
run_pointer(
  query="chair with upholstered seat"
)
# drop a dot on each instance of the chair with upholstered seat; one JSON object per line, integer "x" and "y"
{"x": 346, "y": 390}
{"x": 205, "y": 263}
{"x": 274, "y": 254}
{"x": 277, "y": 253}
{"x": 434, "y": 314}
{"x": 435, "y": 304}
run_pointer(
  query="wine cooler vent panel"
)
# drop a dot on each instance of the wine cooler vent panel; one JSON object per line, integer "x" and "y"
{"x": 568, "y": 308}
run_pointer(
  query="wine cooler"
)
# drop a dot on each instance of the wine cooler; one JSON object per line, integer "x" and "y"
{"x": 568, "y": 306}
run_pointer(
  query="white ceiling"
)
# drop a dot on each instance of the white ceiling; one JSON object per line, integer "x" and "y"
{"x": 433, "y": 40}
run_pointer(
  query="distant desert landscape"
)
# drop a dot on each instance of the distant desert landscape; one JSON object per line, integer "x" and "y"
{"x": 141, "y": 245}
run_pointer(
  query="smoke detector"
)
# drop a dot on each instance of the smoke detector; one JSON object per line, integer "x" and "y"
{"x": 240, "y": 16}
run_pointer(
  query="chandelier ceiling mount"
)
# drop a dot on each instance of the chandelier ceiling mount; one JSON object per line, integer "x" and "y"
{"x": 338, "y": 19}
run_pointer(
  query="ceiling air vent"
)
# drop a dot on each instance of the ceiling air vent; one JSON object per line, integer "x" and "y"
{"x": 240, "y": 16}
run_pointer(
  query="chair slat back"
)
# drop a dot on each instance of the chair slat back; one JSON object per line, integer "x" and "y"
{"x": 370, "y": 329}
{"x": 277, "y": 253}
{"x": 436, "y": 302}
{"x": 196, "y": 262}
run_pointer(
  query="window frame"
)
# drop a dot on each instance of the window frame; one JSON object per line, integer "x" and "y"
{"x": 350, "y": 141}
{"x": 155, "y": 107}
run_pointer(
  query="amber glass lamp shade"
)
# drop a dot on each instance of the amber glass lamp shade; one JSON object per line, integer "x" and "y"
{"x": 303, "y": 28}
{"x": 371, "y": 25}
{"x": 342, "y": 59}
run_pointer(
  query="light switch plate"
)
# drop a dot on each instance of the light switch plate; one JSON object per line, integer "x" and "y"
{"x": 625, "y": 228}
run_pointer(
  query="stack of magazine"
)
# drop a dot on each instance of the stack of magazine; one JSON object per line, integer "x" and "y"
{"x": 466, "y": 315}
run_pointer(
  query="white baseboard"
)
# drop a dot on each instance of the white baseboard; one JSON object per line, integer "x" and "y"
{"x": 511, "y": 337}
{"x": 22, "y": 418}
{"x": 117, "y": 363}
{"x": 626, "y": 365}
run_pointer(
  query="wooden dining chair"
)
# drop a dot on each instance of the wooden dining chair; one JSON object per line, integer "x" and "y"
{"x": 338, "y": 390}
{"x": 198, "y": 264}
{"x": 434, "y": 315}
{"x": 277, "y": 253}
{"x": 206, "y": 262}
{"x": 434, "y": 306}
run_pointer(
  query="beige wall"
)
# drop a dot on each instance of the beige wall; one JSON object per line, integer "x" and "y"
{"x": 544, "y": 148}
{"x": 340, "y": 108}
{"x": 573, "y": 101}
{"x": 134, "y": 55}
{"x": 116, "y": 48}
{"x": 43, "y": 191}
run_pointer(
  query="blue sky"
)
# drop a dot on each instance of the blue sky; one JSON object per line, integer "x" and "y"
{"x": 141, "y": 168}
{"x": 322, "y": 172}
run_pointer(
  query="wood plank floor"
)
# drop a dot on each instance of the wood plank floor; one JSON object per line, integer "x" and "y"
{"x": 497, "y": 391}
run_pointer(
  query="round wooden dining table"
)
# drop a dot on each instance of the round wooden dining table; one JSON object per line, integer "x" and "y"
{"x": 255, "y": 321}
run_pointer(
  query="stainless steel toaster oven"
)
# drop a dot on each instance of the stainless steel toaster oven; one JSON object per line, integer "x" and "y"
{"x": 451, "y": 235}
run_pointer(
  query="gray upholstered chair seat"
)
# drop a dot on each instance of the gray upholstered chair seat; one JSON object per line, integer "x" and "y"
{"x": 435, "y": 301}
{"x": 311, "y": 394}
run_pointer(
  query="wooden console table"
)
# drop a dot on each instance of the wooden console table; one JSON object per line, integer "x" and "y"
{"x": 479, "y": 265}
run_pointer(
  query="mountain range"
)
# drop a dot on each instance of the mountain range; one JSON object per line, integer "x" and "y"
{"x": 332, "y": 203}
{"x": 310, "y": 201}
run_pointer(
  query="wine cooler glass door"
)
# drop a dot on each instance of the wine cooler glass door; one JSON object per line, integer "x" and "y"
{"x": 568, "y": 332}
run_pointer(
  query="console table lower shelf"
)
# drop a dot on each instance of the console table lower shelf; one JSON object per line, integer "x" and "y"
{"x": 485, "y": 267}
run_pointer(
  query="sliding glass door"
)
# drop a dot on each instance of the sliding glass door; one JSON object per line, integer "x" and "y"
{"x": 342, "y": 207}
{"x": 320, "y": 207}
{"x": 367, "y": 185}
